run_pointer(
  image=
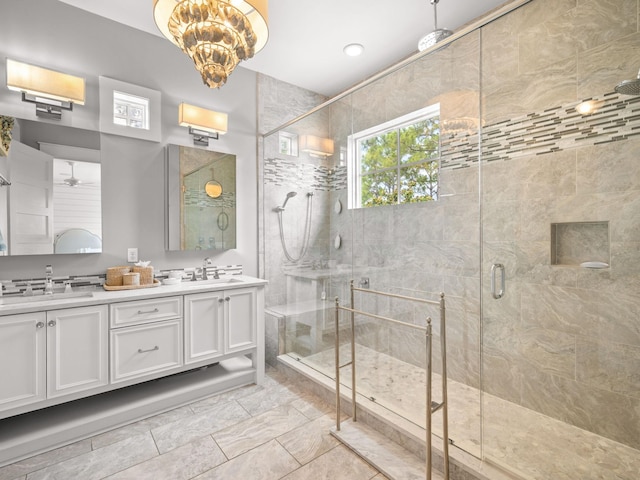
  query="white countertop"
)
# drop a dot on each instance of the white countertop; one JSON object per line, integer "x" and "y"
{"x": 101, "y": 296}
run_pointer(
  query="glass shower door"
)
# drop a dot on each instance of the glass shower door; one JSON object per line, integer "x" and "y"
{"x": 561, "y": 216}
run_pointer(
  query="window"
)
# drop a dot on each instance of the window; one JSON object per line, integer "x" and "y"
{"x": 130, "y": 110}
{"x": 288, "y": 143}
{"x": 396, "y": 162}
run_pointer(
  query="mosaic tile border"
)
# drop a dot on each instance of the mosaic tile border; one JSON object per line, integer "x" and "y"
{"x": 280, "y": 172}
{"x": 93, "y": 282}
{"x": 555, "y": 129}
{"x": 199, "y": 198}
{"x": 559, "y": 128}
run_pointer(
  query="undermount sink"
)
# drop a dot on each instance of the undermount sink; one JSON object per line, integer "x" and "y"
{"x": 13, "y": 300}
{"x": 214, "y": 281}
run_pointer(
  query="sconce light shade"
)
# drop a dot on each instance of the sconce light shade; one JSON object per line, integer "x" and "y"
{"x": 42, "y": 82}
{"x": 51, "y": 91}
{"x": 318, "y": 146}
{"x": 203, "y": 123}
{"x": 215, "y": 34}
{"x": 202, "y": 119}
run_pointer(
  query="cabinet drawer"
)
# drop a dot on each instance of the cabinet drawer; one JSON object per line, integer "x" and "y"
{"x": 145, "y": 311}
{"x": 145, "y": 349}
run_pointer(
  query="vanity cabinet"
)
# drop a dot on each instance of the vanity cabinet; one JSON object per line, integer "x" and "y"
{"x": 218, "y": 323}
{"x": 23, "y": 343}
{"x": 77, "y": 350}
{"x": 108, "y": 346}
{"x": 203, "y": 326}
{"x": 52, "y": 354}
{"x": 240, "y": 321}
{"x": 146, "y": 338}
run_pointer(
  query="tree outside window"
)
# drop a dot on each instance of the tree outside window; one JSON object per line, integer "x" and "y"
{"x": 398, "y": 163}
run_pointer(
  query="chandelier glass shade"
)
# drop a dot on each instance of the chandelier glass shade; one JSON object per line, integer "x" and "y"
{"x": 215, "y": 34}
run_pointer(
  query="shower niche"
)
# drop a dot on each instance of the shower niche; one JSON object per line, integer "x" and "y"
{"x": 580, "y": 244}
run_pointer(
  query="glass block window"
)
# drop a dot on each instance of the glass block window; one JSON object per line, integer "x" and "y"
{"x": 130, "y": 110}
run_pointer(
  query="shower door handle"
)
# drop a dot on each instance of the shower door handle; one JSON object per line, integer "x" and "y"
{"x": 494, "y": 268}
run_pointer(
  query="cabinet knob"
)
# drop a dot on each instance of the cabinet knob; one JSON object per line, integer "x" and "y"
{"x": 221, "y": 300}
{"x": 226, "y": 299}
{"x": 40, "y": 325}
{"x": 52, "y": 323}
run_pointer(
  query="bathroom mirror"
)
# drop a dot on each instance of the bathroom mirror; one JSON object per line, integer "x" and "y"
{"x": 53, "y": 204}
{"x": 201, "y": 199}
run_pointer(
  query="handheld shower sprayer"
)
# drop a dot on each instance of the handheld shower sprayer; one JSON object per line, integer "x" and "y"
{"x": 281, "y": 208}
{"x": 289, "y": 195}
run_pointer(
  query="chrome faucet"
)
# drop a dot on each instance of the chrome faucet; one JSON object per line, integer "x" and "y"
{"x": 48, "y": 280}
{"x": 205, "y": 263}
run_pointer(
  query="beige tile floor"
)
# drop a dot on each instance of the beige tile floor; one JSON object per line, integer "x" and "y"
{"x": 273, "y": 431}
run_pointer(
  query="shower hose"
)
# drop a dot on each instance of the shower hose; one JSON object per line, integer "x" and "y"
{"x": 307, "y": 232}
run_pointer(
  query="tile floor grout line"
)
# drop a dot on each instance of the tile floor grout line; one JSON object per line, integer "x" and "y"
{"x": 316, "y": 407}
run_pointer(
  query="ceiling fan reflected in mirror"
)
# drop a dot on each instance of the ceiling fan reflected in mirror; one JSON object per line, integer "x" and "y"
{"x": 72, "y": 180}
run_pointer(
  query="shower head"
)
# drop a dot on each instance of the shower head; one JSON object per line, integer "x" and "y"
{"x": 289, "y": 195}
{"x": 437, "y": 35}
{"x": 629, "y": 87}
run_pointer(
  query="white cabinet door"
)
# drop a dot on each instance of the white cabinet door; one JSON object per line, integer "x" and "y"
{"x": 203, "y": 326}
{"x": 30, "y": 201}
{"x": 22, "y": 359}
{"x": 240, "y": 319}
{"x": 77, "y": 349}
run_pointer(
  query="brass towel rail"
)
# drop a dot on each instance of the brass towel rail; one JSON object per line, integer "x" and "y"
{"x": 431, "y": 406}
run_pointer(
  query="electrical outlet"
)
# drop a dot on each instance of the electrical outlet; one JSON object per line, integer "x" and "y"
{"x": 132, "y": 255}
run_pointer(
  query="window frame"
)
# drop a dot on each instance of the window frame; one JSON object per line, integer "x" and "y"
{"x": 107, "y": 88}
{"x": 354, "y": 165}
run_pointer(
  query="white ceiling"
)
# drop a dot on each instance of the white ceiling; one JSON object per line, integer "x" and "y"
{"x": 306, "y": 37}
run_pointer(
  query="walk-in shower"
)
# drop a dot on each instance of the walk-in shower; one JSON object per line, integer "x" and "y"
{"x": 543, "y": 380}
{"x": 307, "y": 227}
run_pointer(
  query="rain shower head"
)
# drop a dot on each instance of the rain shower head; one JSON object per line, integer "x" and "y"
{"x": 289, "y": 195}
{"x": 437, "y": 35}
{"x": 629, "y": 87}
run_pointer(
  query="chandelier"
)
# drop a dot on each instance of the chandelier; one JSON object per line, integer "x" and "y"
{"x": 216, "y": 34}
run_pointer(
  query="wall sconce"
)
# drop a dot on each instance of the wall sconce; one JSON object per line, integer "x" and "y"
{"x": 203, "y": 124}
{"x": 51, "y": 91}
{"x": 316, "y": 146}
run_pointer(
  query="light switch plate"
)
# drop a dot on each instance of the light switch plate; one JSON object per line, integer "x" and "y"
{"x": 132, "y": 255}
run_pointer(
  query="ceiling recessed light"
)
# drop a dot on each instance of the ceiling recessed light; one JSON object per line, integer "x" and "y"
{"x": 353, "y": 49}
